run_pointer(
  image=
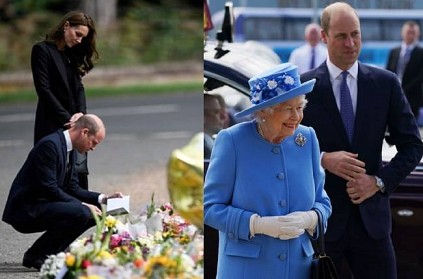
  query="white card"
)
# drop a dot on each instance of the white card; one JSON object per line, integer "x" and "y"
{"x": 118, "y": 206}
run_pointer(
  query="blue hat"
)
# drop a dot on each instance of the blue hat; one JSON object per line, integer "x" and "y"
{"x": 275, "y": 86}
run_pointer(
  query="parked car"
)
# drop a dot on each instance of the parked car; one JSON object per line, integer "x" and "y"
{"x": 231, "y": 67}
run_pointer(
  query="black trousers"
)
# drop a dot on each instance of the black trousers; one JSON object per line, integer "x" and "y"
{"x": 357, "y": 254}
{"x": 211, "y": 250}
{"x": 63, "y": 222}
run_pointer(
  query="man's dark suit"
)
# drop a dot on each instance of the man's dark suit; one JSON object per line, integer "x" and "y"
{"x": 45, "y": 196}
{"x": 412, "y": 80}
{"x": 60, "y": 94}
{"x": 380, "y": 104}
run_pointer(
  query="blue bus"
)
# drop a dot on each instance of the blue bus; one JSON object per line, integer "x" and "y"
{"x": 282, "y": 29}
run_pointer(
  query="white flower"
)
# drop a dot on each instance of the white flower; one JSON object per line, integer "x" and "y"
{"x": 52, "y": 265}
{"x": 289, "y": 80}
{"x": 255, "y": 98}
{"x": 187, "y": 262}
{"x": 109, "y": 262}
{"x": 271, "y": 84}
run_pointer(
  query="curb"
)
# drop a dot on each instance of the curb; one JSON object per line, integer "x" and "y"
{"x": 113, "y": 76}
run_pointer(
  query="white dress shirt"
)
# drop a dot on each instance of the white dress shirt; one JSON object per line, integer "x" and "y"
{"x": 301, "y": 57}
{"x": 401, "y": 63}
{"x": 335, "y": 75}
{"x": 69, "y": 146}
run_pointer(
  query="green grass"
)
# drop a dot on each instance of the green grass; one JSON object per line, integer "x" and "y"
{"x": 27, "y": 95}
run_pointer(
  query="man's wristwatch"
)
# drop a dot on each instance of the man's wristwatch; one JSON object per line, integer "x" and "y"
{"x": 380, "y": 185}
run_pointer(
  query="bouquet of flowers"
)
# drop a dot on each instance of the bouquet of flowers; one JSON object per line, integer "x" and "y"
{"x": 155, "y": 244}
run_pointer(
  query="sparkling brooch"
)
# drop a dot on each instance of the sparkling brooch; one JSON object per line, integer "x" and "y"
{"x": 300, "y": 140}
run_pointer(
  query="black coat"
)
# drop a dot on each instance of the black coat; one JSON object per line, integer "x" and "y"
{"x": 412, "y": 80}
{"x": 59, "y": 89}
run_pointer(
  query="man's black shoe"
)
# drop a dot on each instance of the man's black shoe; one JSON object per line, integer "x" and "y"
{"x": 30, "y": 261}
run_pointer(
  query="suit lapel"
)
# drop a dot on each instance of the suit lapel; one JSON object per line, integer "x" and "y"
{"x": 413, "y": 63}
{"x": 365, "y": 87}
{"x": 58, "y": 61}
{"x": 64, "y": 152}
{"x": 396, "y": 58}
{"x": 328, "y": 101}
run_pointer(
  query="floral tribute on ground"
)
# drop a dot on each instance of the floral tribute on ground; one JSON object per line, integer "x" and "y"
{"x": 155, "y": 244}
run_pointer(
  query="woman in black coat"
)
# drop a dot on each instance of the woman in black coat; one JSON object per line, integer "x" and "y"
{"x": 58, "y": 63}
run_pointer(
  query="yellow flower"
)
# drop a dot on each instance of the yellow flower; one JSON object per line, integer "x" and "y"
{"x": 70, "y": 260}
{"x": 158, "y": 262}
{"x": 184, "y": 239}
{"x": 110, "y": 222}
{"x": 105, "y": 255}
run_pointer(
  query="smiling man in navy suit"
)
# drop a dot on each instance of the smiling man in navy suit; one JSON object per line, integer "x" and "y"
{"x": 350, "y": 107}
{"x": 45, "y": 195}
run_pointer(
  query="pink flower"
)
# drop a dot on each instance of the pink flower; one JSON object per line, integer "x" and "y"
{"x": 115, "y": 240}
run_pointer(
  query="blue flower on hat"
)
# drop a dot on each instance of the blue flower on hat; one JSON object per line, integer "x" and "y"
{"x": 276, "y": 85}
{"x": 265, "y": 88}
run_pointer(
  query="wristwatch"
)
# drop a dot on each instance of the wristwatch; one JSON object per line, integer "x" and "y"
{"x": 380, "y": 184}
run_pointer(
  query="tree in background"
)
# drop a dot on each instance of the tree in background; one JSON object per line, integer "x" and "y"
{"x": 129, "y": 31}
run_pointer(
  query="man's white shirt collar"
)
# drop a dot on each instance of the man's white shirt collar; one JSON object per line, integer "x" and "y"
{"x": 334, "y": 71}
{"x": 411, "y": 46}
{"x": 69, "y": 146}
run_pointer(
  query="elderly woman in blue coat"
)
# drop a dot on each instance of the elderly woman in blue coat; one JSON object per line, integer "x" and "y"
{"x": 265, "y": 184}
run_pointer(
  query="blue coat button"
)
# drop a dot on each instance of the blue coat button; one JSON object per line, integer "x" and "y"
{"x": 281, "y": 176}
{"x": 282, "y": 257}
{"x": 276, "y": 150}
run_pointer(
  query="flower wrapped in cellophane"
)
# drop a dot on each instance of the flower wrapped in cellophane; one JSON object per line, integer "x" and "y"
{"x": 158, "y": 244}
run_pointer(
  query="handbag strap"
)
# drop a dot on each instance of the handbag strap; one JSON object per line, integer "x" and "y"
{"x": 320, "y": 245}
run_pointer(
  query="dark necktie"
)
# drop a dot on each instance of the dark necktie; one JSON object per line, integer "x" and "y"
{"x": 69, "y": 162}
{"x": 313, "y": 58}
{"x": 403, "y": 63}
{"x": 347, "y": 112}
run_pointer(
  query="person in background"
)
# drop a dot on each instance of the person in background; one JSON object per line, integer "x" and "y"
{"x": 45, "y": 195}
{"x": 226, "y": 113}
{"x": 350, "y": 107}
{"x": 311, "y": 54}
{"x": 265, "y": 183}
{"x": 407, "y": 62}
{"x": 214, "y": 120}
{"x": 58, "y": 63}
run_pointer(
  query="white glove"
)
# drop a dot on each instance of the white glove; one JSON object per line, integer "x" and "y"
{"x": 274, "y": 227}
{"x": 302, "y": 220}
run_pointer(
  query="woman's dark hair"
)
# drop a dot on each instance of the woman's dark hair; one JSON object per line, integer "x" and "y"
{"x": 84, "y": 54}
